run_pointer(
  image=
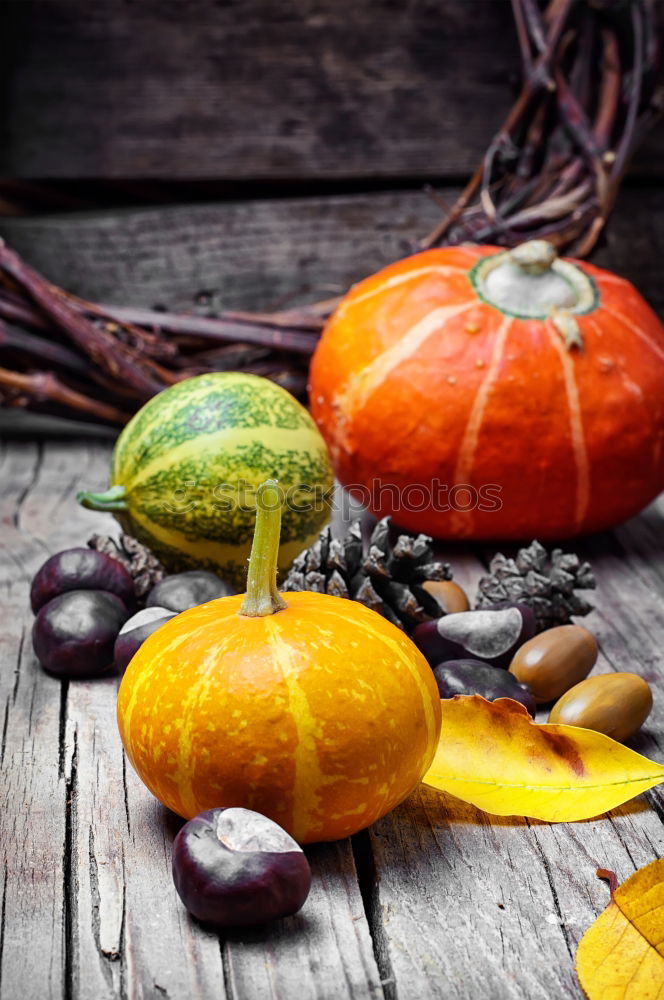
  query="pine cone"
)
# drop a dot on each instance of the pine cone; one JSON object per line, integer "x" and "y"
{"x": 137, "y": 559}
{"x": 546, "y": 583}
{"x": 386, "y": 578}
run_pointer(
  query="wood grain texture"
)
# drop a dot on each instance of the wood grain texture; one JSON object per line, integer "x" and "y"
{"x": 459, "y": 905}
{"x": 437, "y": 899}
{"x": 497, "y": 906}
{"x": 37, "y": 814}
{"x": 256, "y": 254}
{"x": 251, "y": 90}
{"x": 88, "y": 900}
{"x": 248, "y": 89}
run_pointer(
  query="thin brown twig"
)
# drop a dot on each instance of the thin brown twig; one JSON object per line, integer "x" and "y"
{"x": 41, "y": 386}
{"x": 588, "y": 93}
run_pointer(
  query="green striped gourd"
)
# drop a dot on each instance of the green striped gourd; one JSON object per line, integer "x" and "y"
{"x": 187, "y": 465}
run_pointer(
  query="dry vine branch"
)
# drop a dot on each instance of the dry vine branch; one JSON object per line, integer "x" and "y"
{"x": 589, "y": 93}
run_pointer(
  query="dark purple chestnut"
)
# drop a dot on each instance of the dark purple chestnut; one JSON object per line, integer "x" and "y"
{"x": 474, "y": 677}
{"x": 234, "y": 867}
{"x": 492, "y": 636}
{"x": 73, "y": 635}
{"x": 135, "y": 631}
{"x": 80, "y": 569}
{"x": 182, "y": 591}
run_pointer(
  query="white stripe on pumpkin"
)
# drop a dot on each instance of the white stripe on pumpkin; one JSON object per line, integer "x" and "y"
{"x": 641, "y": 334}
{"x": 466, "y": 457}
{"x": 445, "y": 270}
{"x": 576, "y": 426}
{"x": 361, "y": 385}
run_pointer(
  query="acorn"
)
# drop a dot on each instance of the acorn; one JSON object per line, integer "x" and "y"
{"x": 614, "y": 704}
{"x": 554, "y": 661}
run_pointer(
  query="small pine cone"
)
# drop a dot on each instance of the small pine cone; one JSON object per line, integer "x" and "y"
{"x": 546, "y": 583}
{"x": 387, "y": 577}
{"x": 137, "y": 559}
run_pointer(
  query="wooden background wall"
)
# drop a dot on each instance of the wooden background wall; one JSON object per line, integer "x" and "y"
{"x": 257, "y": 147}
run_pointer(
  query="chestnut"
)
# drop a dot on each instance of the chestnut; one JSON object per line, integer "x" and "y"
{"x": 234, "y": 867}
{"x": 554, "y": 661}
{"x": 73, "y": 635}
{"x": 492, "y": 635}
{"x": 182, "y": 591}
{"x": 135, "y": 631}
{"x": 80, "y": 569}
{"x": 474, "y": 677}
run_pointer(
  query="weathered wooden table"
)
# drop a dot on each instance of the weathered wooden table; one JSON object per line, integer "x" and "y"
{"x": 437, "y": 900}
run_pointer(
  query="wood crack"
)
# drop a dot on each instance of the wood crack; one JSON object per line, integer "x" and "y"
{"x": 652, "y": 798}
{"x": 62, "y": 728}
{"x": 4, "y": 733}
{"x": 367, "y": 877}
{"x": 125, "y": 791}
{"x": 123, "y": 934}
{"x": 108, "y": 956}
{"x": 229, "y": 992}
{"x": 69, "y": 874}
{"x": 21, "y": 498}
{"x": 17, "y": 668}
{"x": 3, "y": 914}
{"x": 554, "y": 893}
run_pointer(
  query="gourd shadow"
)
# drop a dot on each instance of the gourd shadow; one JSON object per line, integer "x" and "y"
{"x": 288, "y": 929}
{"x": 171, "y": 823}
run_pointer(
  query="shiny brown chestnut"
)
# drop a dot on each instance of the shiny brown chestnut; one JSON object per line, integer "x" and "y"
{"x": 234, "y": 867}
{"x": 491, "y": 635}
{"x": 474, "y": 677}
{"x": 73, "y": 635}
{"x": 135, "y": 631}
{"x": 554, "y": 661}
{"x": 182, "y": 591}
{"x": 614, "y": 704}
{"x": 450, "y": 596}
{"x": 80, "y": 569}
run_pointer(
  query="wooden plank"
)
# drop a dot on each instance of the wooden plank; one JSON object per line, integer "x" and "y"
{"x": 308, "y": 89}
{"x": 250, "y": 253}
{"x": 255, "y": 254}
{"x": 37, "y": 817}
{"x": 500, "y": 904}
{"x": 460, "y": 902}
{"x": 87, "y": 848}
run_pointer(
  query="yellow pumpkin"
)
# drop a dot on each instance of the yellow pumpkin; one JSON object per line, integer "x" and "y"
{"x": 320, "y": 714}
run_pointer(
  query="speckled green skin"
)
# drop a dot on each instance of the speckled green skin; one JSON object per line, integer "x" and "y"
{"x": 176, "y": 454}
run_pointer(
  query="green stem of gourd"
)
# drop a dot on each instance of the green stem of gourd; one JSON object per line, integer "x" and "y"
{"x": 262, "y": 597}
{"x": 113, "y": 499}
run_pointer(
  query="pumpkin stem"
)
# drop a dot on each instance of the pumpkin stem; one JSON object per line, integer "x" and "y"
{"x": 534, "y": 257}
{"x": 262, "y": 597}
{"x": 529, "y": 281}
{"x": 113, "y": 499}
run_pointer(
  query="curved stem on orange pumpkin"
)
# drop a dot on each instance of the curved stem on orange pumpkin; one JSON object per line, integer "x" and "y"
{"x": 262, "y": 597}
{"x": 530, "y": 282}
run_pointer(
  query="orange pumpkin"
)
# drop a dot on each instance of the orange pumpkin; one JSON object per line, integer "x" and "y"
{"x": 482, "y": 393}
{"x": 319, "y": 714}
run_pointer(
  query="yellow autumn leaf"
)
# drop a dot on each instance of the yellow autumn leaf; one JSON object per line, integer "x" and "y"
{"x": 621, "y": 955}
{"x": 493, "y": 755}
